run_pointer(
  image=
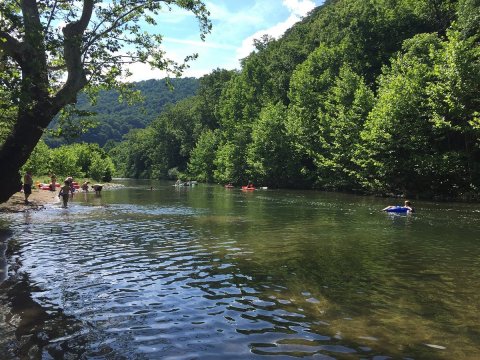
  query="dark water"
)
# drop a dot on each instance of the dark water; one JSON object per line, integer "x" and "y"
{"x": 210, "y": 273}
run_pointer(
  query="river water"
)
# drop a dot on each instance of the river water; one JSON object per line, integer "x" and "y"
{"x": 210, "y": 273}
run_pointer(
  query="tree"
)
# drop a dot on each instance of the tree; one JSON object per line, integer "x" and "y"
{"x": 101, "y": 168}
{"x": 347, "y": 104}
{"x": 455, "y": 104}
{"x": 201, "y": 164}
{"x": 64, "y": 161}
{"x": 270, "y": 154}
{"x": 174, "y": 136}
{"x": 402, "y": 150}
{"x": 136, "y": 153}
{"x": 309, "y": 87}
{"x": 209, "y": 93}
{"x": 45, "y": 64}
{"x": 39, "y": 161}
{"x": 469, "y": 19}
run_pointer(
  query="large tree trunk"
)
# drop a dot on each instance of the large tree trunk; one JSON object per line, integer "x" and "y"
{"x": 37, "y": 108}
{"x": 17, "y": 148}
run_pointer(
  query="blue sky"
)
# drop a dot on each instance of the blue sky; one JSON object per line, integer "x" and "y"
{"x": 235, "y": 24}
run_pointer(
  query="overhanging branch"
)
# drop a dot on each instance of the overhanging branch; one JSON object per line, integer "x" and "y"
{"x": 73, "y": 34}
{"x": 11, "y": 46}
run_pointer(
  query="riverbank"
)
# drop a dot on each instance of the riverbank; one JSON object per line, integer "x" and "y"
{"x": 37, "y": 200}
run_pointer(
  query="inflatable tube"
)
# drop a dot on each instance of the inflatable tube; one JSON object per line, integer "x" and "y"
{"x": 247, "y": 188}
{"x": 397, "y": 209}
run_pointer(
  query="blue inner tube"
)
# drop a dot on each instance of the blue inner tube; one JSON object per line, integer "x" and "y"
{"x": 398, "y": 209}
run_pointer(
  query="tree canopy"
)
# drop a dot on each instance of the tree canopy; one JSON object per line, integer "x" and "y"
{"x": 52, "y": 49}
{"x": 376, "y": 96}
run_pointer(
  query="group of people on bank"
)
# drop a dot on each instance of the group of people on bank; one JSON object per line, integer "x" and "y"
{"x": 66, "y": 190}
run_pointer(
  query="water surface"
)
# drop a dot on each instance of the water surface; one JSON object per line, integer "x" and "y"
{"x": 210, "y": 273}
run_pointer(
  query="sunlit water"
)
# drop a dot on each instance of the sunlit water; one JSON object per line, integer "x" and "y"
{"x": 210, "y": 273}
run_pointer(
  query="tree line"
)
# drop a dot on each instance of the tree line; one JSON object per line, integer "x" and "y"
{"x": 80, "y": 160}
{"x": 373, "y": 96}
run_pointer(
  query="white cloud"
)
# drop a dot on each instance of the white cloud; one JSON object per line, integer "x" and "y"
{"x": 275, "y": 31}
{"x": 231, "y": 39}
{"x": 198, "y": 67}
{"x": 142, "y": 71}
{"x": 200, "y": 44}
{"x": 297, "y": 8}
{"x": 250, "y": 17}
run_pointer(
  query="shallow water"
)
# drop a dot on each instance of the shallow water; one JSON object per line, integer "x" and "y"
{"x": 210, "y": 273}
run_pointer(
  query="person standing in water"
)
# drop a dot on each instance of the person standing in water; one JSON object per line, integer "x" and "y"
{"x": 64, "y": 193}
{"x": 27, "y": 185}
{"x": 53, "y": 182}
{"x": 85, "y": 186}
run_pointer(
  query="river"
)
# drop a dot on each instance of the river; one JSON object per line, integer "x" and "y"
{"x": 205, "y": 272}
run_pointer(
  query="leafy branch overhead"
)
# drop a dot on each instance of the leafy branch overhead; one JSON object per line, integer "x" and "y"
{"x": 52, "y": 49}
{"x": 90, "y": 44}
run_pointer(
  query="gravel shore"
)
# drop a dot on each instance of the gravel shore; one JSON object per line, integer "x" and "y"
{"x": 38, "y": 199}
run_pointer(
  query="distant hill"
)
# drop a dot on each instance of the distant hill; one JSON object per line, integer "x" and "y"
{"x": 117, "y": 118}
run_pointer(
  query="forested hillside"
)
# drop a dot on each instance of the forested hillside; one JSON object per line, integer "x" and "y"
{"x": 362, "y": 95}
{"x": 113, "y": 118}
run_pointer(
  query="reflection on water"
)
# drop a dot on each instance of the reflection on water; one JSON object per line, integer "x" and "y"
{"x": 207, "y": 273}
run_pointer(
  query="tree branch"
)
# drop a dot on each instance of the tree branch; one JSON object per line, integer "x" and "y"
{"x": 73, "y": 34}
{"x": 116, "y": 23}
{"x": 51, "y": 15}
{"x": 12, "y": 47}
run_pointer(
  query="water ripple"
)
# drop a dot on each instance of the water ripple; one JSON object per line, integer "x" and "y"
{"x": 177, "y": 281}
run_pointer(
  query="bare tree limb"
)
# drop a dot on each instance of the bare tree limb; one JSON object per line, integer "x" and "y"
{"x": 51, "y": 15}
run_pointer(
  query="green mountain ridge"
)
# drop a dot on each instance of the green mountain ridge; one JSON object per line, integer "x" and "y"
{"x": 115, "y": 119}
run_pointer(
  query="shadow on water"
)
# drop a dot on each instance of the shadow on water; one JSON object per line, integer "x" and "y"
{"x": 4, "y": 235}
{"x": 27, "y": 328}
{"x": 30, "y": 331}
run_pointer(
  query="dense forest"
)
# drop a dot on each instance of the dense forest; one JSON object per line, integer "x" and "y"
{"x": 80, "y": 160}
{"x": 375, "y": 96}
{"x": 112, "y": 116}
